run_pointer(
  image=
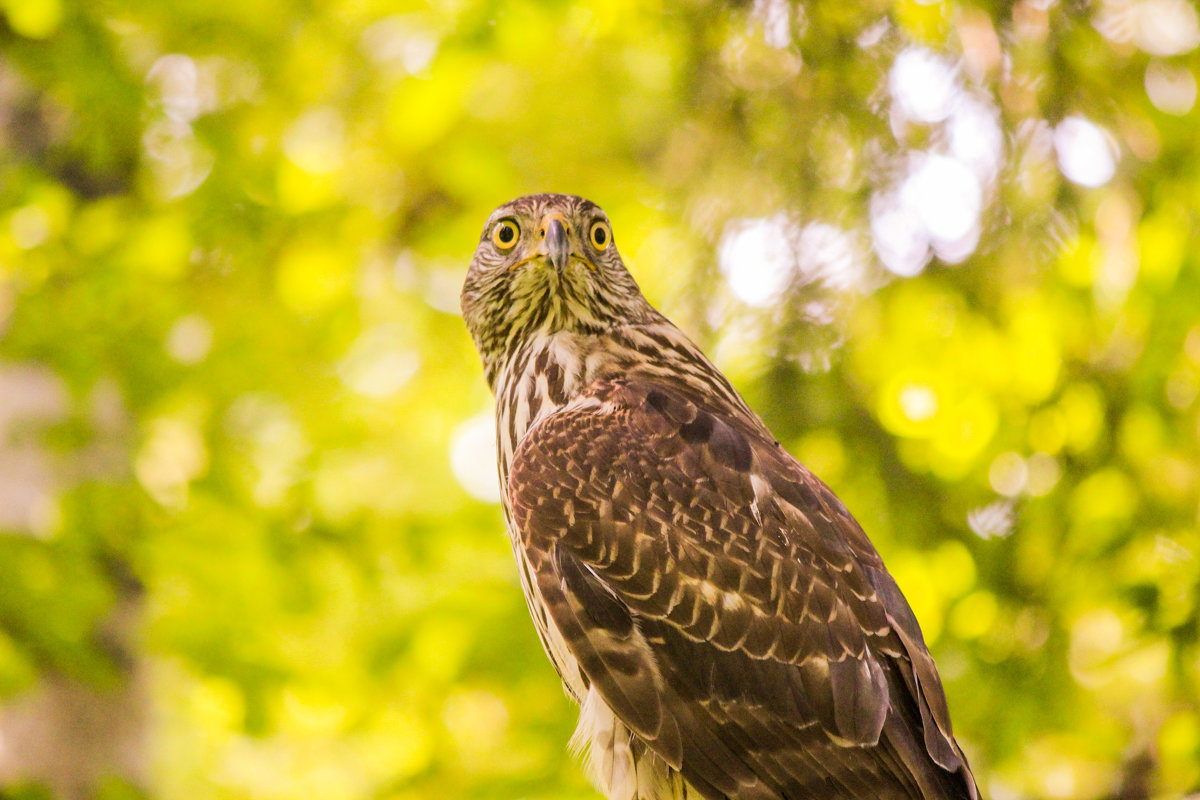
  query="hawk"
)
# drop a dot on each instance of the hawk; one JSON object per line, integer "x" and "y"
{"x": 725, "y": 625}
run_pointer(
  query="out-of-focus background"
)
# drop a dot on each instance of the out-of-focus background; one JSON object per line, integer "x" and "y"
{"x": 250, "y": 544}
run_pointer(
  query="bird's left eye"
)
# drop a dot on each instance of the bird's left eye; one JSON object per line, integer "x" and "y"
{"x": 601, "y": 235}
{"x": 505, "y": 234}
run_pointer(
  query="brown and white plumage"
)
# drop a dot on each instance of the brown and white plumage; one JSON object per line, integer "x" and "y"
{"x": 725, "y": 624}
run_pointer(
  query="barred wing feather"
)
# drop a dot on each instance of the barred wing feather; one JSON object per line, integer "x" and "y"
{"x": 725, "y": 604}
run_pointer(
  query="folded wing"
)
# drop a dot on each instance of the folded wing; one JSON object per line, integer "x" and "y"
{"x": 725, "y": 604}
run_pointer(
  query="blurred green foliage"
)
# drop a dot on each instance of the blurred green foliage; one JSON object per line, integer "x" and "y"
{"x": 235, "y": 392}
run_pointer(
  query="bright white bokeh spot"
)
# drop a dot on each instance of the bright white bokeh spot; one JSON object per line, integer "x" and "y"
{"x": 936, "y": 207}
{"x": 178, "y": 162}
{"x": 402, "y": 41}
{"x": 184, "y": 92}
{"x": 1086, "y": 154}
{"x": 993, "y": 521}
{"x": 918, "y": 402}
{"x": 1167, "y": 27}
{"x": 1172, "y": 90}
{"x": 828, "y": 254}
{"x": 1044, "y": 473}
{"x": 873, "y": 34}
{"x": 975, "y": 136}
{"x": 897, "y": 235}
{"x": 277, "y": 445}
{"x": 316, "y": 141}
{"x": 946, "y": 195}
{"x": 1059, "y": 781}
{"x": 923, "y": 85}
{"x": 473, "y": 457}
{"x": 775, "y": 16}
{"x": 1008, "y": 474}
{"x": 379, "y": 363}
{"x": 29, "y": 226}
{"x": 758, "y": 258}
{"x": 190, "y": 339}
{"x": 956, "y": 251}
{"x": 173, "y": 455}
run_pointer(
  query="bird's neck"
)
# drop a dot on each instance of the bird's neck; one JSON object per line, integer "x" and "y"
{"x": 550, "y": 370}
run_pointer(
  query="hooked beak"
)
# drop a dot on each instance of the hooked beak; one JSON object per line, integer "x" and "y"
{"x": 555, "y": 243}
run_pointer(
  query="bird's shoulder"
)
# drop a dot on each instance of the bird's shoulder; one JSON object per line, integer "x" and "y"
{"x": 667, "y": 447}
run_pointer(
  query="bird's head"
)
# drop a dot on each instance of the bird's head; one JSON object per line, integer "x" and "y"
{"x": 546, "y": 263}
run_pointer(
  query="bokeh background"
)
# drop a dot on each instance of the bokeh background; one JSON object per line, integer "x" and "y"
{"x": 249, "y": 540}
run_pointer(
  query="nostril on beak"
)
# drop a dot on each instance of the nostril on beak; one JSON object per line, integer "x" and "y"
{"x": 557, "y": 244}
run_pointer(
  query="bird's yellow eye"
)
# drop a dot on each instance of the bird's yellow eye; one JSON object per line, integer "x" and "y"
{"x": 505, "y": 234}
{"x": 601, "y": 235}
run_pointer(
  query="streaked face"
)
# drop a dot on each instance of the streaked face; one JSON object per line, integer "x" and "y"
{"x": 521, "y": 239}
{"x": 545, "y": 263}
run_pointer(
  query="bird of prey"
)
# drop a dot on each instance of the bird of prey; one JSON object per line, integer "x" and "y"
{"x": 724, "y": 623}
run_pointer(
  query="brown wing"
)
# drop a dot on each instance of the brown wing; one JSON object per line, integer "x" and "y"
{"x": 726, "y": 605}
